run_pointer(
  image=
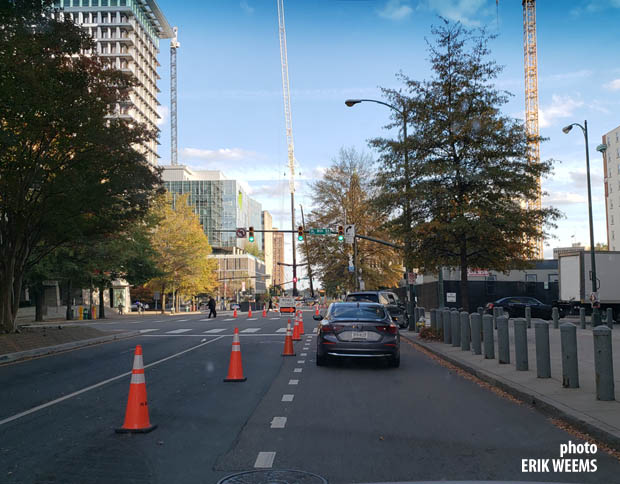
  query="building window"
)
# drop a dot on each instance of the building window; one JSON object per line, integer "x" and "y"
{"x": 490, "y": 283}
{"x": 613, "y": 235}
{"x": 611, "y": 204}
{"x": 612, "y": 220}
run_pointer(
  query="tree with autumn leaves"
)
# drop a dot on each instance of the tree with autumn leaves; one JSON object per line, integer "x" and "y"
{"x": 182, "y": 251}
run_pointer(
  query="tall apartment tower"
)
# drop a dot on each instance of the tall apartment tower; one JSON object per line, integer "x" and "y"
{"x": 611, "y": 165}
{"x": 127, "y": 33}
{"x": 278, "y": 256}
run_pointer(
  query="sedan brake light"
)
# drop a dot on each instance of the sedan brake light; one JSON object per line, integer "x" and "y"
{"x": 490, "y": 305}
{"x": 390, "y": 329}
{"x": 327, "y": 328}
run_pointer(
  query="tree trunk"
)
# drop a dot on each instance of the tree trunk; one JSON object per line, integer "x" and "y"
{"x": 101, "y": 302}
{"x": 11, "y": 273}
{"x": 69, "y": 302}
{"x": 163, "y": 299}
{"x": 39, "y": 297}
{"x": 464, "y": 285}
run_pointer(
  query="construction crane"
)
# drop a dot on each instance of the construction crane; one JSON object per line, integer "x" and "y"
{"x": 531, "y": 102}
{"x": 174, "y": 45}
{"x": 289, "y": 128}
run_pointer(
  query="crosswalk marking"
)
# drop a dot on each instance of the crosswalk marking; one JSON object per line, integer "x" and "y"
{"x": 148, "y": 330}
{"x": 265, "y": 460}
{"x": 281, "y": 330}
{"x": 287, "y": 397}
{"x": 252, "y": 319}
{"x": 181, "y": 320}
{"x": 278, "y": 422}
{"x": 216, "y": 330}
{"x": 230, "y": 319}
{"x": 177, "y": 331}
{"x": 273, "y": 319}
{"x": 250, "y": 330}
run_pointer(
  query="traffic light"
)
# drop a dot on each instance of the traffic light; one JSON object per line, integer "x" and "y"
{"x": 251, "y": 234}
{"x": 340, "y": 233}
{"x": 300, "y": 233}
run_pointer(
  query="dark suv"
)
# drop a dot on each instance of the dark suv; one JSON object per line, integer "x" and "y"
{"x": 395, "y": 306}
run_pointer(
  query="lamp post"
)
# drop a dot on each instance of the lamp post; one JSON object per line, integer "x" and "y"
{"x": 596, "y": 316}
{"x": 404, "y": 115}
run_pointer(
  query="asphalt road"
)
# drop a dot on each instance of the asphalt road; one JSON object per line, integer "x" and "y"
{"x": 350, "y": 422}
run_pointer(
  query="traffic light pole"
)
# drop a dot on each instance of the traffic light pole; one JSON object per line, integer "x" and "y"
{"x": 293, "y": 240}
{"x": 303, "y": 223}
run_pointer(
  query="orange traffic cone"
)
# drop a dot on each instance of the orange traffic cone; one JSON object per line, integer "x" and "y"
{"x": 296, "y": 335}
{"x": 316, "y": 311}
{"x": 235, "y": 313}
{"x": 137, "y": 413}
{"x": 301, "y": 324}
{"x": 250, "y": 312}
{"x": 288, "y": 341}
{"x": 264, "y": 311}
{"x": 235, "y": 368}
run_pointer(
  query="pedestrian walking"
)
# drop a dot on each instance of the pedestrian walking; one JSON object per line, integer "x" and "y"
{"x": 120, "y": 308}
{"x": 270, "y": 305}
{"x": 140, "y": 308}
{"x": 211, "y": 305}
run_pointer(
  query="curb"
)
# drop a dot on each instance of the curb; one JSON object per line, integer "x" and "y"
{"x": 49, "y": 350}
{"x": 577, "y": 419}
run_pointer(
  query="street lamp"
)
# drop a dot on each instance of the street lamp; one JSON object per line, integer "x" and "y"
{"x": 596, "y": 316}
{"x": 404, "y": 115}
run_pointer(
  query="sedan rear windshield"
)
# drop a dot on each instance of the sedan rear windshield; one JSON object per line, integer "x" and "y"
{"x": 363, "y": 298}
{"x": 362, "y": 312}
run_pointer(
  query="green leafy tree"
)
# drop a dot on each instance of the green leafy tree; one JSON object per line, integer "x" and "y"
{"x": 469, "y": 171}
{"x": 346, "y": 188}
{"x": 67, "y": 170}
{"x": 182, "y": 250}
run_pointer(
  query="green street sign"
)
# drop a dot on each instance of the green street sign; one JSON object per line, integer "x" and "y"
{"x": 320, "y": 231}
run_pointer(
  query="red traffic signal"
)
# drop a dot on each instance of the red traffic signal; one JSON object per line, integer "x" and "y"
{"x": 294, "y": 279}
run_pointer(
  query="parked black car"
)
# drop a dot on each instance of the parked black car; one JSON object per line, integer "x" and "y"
{"x": 396, "y": 308}
{"x": 514, "y": 307}
{"x": 360, "y": 329}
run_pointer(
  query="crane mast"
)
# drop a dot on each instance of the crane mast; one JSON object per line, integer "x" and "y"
{"x": 531, "y": 101}
{"x": 174, "y": 45}
{"x": 289, "y": 129}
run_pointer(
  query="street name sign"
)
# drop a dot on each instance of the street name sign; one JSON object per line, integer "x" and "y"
{"x": 320, "y": 231}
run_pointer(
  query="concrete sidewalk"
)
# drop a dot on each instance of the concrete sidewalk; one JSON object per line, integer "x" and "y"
{"x": 578, "y": 406}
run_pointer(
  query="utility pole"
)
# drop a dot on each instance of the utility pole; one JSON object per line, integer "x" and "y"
{"x": 303, "y": 223}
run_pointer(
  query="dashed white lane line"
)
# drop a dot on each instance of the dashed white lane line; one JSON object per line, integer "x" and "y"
{"x": 265, "y": 460}
{"x": 216, "y": 330}
{"x": 178, "y": 331}
{"x": 278, "y": 422}
{"x": 288, "y": 397}
{"x": 281, "y": 330}
{"x": 250, "y": 330}
{"x": 293, "y": 382}
{"x": 297, "y": 370}
{"x": 252, "y": 319}
{"x": 148, "y": 330}
{"x": 104, "y": 382}
{"x": 274, "y": 319}
{"x": 304, "y": 354}
{"x": 301, "y": 362}
{"x": 180, "y": 320}
{"x": 315, "y": 330}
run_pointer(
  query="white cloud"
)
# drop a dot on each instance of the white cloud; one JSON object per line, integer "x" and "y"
{"x": 246, "y": 7}
{"x": 458, "y": 10}
{"x": 222, "y": 154}
{"x": 613, "y": 85}
{"x": 560, "y": 107}
{"x": 395, "y": 10}
{"x": 563, "y": 198}
{"x": 164, "y": 112}
{"x": 580, "y": 179}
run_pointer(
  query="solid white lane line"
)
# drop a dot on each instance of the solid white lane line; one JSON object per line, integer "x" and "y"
{"x": 250, "y": 330}
{"x": 101, "y": 383}
{"x": 297, "y": 370}
{"x": 178, "y": 331}
{"x": 301, "y": 362}
{"x": 148, "y": 330}
{"x": 304, "y": 354}
{"x": 278, "y": 422}
{"x": 216, "y": 330}
{"x": 281, "y": 330}
{"x": 293, "y": 382}
{"x": 288, "y": 397}
{"x": 265, "y": 460}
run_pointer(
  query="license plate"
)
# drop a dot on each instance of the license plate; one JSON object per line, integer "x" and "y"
{"x": 359, "y": 334}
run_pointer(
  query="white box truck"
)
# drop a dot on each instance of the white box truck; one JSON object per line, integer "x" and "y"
{"x": 575, "y": 280}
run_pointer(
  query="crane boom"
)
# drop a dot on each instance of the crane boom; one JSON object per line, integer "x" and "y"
{"x": 531, "y": 100}
{"x": 287, "y": 96}
{"x": 174, "y": 45}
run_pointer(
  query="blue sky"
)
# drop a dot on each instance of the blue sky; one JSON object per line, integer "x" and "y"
{"x": 230, "y": 108}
